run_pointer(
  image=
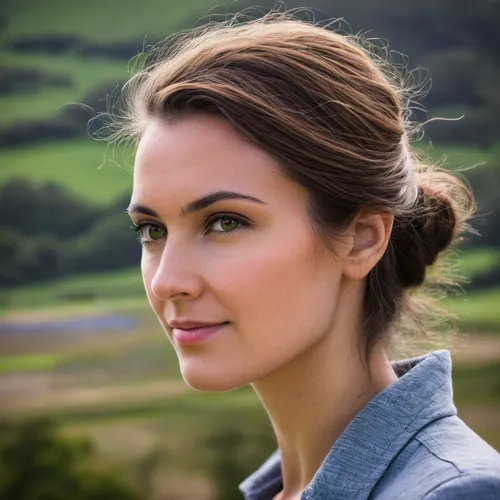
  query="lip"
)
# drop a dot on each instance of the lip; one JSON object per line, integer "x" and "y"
{"x": 188, "y": 325}
{"x": 197, "y": 334}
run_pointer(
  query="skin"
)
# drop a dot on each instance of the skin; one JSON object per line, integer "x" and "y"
{"x": 294, "y": 307}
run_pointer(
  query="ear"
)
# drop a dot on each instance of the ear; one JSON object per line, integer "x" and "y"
{"x": 370, "y": 233}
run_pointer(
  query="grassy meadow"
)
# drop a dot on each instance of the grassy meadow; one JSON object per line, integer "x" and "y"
{"x": 85, "y": 74}
{"x": 86, "y": 168}
{"x": 104, "y": 21}
{"x": 122, "y": 386}
{"x": 96, "y": 21}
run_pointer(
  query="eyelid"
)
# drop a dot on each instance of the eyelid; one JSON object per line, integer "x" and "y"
{"x": 212, "y": 219}
{"x": 139, "y": 224}
{"x": 229, "y": 215}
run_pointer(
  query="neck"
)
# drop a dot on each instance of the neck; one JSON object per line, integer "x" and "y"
{"x": 313, "y": 398}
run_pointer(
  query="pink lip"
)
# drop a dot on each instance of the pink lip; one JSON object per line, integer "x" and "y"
{"x": 196, "y": 335}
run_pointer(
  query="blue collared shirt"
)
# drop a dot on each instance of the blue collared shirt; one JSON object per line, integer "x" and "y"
{"x": 406, "y": 443}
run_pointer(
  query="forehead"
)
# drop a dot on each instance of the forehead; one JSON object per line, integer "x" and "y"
{"x": 198, "y": 154}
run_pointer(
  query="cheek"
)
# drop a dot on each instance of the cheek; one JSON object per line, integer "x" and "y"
{"x": 281, "y": 292}
{"x": 280, "y": 295}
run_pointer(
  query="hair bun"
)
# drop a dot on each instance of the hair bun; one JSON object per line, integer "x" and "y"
{"x": 420, "y": 237}
{"x": 437, "y": 222}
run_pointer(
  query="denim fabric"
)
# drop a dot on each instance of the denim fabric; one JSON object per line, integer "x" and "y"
{"x": 406, "y": 443}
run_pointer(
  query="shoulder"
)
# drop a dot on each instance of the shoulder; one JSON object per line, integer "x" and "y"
{"x": 450, "y": 441}
{"x": 474, "y": 466}
{"x": 445, "y": 460}
{"x": 472, "y": 484}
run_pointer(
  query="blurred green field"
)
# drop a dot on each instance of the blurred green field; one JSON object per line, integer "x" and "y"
{"x": 457, "y": 157}
{"x": 474, "y": 262}
{"x": 86, "y": 288}
{"x": 477, "y": 311}
{"x": 86, "y": 74}
{"x": 92, "y": 21}
{"x": 36, "y": 362}
{"x": 102, "y": 21}
{"x": 87, "y": 168}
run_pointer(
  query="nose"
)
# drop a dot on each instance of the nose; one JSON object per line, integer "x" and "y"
{"x": 176, "y": 276}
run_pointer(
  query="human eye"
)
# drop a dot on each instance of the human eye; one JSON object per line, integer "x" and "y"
{"x": 149, "y": 233}
{"x": 225, "y": 224}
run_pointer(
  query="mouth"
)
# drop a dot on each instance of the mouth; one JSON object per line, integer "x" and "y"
{"x": 198, "y": 334}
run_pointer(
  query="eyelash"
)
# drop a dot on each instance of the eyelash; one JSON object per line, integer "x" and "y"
{"x": 209, "y": 221}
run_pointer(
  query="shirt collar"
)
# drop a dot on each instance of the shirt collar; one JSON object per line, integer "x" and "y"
{"x": 423, "y": 393}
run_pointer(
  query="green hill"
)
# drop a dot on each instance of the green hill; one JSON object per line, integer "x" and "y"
{"x": 87, "y": 168}
{"x": 102, "y": 21}
{"x": 94, "y": 21}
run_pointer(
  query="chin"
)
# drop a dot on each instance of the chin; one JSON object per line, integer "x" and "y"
{"x": 207, "y": 380}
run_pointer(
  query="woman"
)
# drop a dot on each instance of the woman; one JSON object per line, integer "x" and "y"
{"x": 284, "y": 223}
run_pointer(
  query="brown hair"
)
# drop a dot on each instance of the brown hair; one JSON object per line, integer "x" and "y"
{"x": 335, "y": 118}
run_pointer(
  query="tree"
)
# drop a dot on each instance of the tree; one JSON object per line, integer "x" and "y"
{"x": 109, "y": 244}
{"x": 37, "y": 463}
{"x": 47, "y": 209}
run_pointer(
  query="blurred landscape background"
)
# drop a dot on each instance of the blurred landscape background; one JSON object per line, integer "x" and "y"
{"x": 92, "y": 405}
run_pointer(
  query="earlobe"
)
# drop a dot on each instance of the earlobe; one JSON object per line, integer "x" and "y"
{"x": 371, "y": 235}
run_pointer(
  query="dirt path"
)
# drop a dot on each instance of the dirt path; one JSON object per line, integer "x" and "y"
{"x": 82, "y": 397}
{"x": 476, "y": 349}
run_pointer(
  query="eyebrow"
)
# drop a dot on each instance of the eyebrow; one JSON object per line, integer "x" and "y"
{"x": 198, "y": 204}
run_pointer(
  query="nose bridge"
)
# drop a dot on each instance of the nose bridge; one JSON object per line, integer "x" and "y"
{"x": 176, "y": 274}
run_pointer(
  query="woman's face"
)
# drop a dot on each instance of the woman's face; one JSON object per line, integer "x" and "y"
{"x": 252, "y": 264}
